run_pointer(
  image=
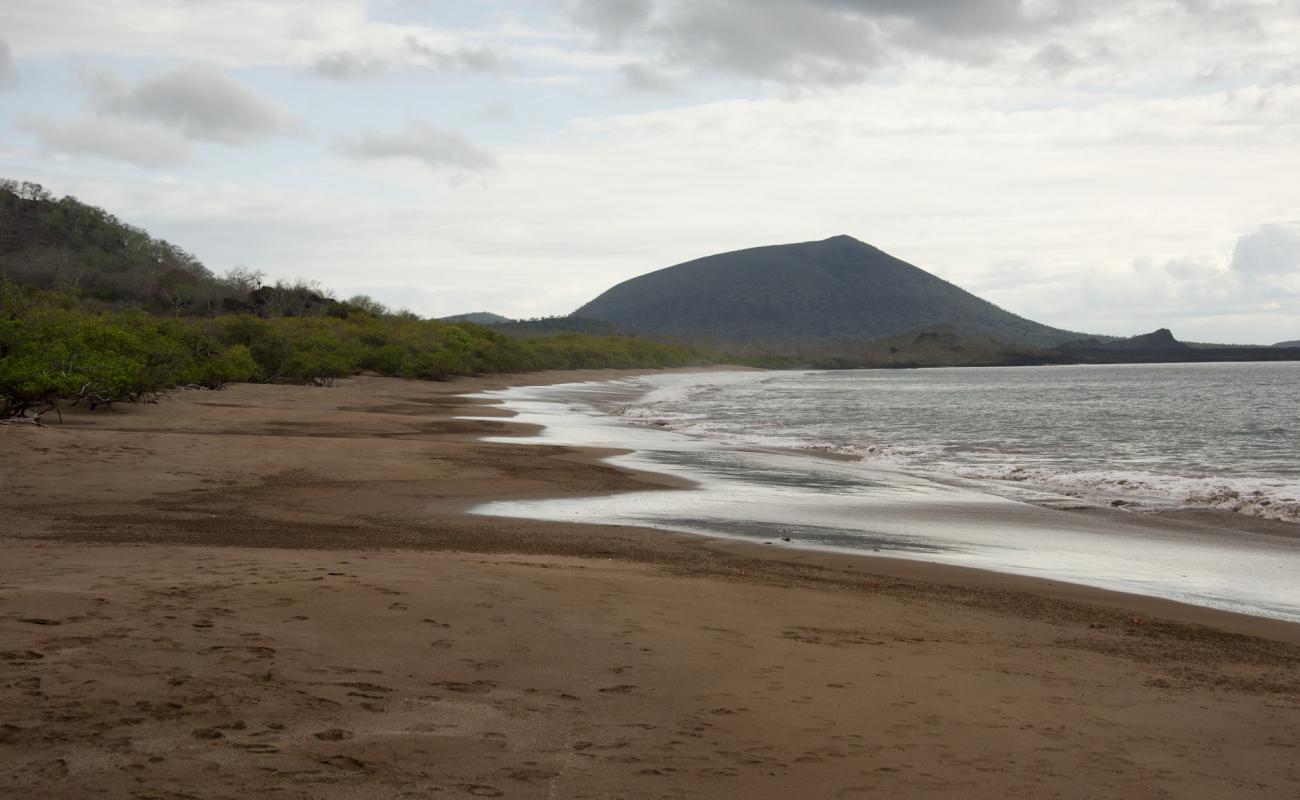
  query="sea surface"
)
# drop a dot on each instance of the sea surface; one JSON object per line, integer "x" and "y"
{"x": 982, "y": 467}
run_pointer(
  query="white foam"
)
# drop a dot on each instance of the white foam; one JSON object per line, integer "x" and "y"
{"x": 673, "y": 402}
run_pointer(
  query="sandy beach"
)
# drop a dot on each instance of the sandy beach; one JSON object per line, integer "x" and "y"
{"x": 274, "y": 591}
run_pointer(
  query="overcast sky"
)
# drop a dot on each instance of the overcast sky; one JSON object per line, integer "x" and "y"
{"x": 1109, "y": 166}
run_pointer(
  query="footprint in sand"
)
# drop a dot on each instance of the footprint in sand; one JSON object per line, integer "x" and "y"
{"x": 333, "y": 735}
{"x": 477, "y": 687}
{"x": 530, "y": 775}
{"x": 20, "y": 655}
{"x": 347, "y": 764}
{"x": 208, "y": 733}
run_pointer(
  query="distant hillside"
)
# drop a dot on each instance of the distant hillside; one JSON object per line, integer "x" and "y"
{"x": 833, "y": 291}
{"x": 478, "y": 318}
{"x": 63, "y": 243}
{"x": 48, "y": 242}
{"x": 1161, "y": 347}
{"x": 1295, "y": 343}
{"x": 1161, "y": 340}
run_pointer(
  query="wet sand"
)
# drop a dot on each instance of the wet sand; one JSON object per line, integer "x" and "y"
{"x": 273, "y": 590}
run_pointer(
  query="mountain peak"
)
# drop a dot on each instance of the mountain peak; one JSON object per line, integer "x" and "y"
{"x": 834, "y": 290}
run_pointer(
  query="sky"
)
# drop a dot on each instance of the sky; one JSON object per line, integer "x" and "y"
{"x": 1106, "y": 166}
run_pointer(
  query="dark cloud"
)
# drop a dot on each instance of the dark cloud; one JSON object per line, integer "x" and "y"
{"x": 964, "y": 18}
{"x": 419, "y": 141}
{"x": 1270, "y": 250}
{"x": 1057, "y": 60}
{"x": 414, "y": 56}
{"x": 816, "y": 42}
{"x": 198, "y": 102}
{"x": 798, "y": 42}
{"x": 461, "y": 59}
{"x": 8, "y": 72}
{"x": 348, "y": 66}
{"x": 612, "y": 19}
{"x": 106, "y": 137}
{"x": 647, "y": 80}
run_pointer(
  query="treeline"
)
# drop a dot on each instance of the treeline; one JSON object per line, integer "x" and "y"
{"x": 58, "y": 348}
{"x": 63, "y": 243}
{"x": 934, "y": 346}
{"x": 95, "y": 311}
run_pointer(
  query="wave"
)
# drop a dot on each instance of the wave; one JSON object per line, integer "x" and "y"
{"x": 1252, "y": 496}
{"x": 670, "y": 406}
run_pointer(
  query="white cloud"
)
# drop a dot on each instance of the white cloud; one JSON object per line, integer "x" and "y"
{"x": 106, "y": 137}
{"x": 1270, "y": 251}
{"x": 338, "y": 36}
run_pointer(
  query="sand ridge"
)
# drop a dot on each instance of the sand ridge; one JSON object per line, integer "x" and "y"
{"x": 273, "y": 590}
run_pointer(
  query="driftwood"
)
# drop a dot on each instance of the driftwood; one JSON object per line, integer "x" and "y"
{"x": 28, "y": 414}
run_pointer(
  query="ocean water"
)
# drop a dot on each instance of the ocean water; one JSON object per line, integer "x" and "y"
{"x": 1157, "y": 436}
{"x": 972, "y": 467}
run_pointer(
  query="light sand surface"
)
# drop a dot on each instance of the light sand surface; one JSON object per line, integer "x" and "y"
{"x": 272, "y": 591}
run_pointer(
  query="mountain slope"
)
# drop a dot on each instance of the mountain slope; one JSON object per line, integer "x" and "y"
{"x": 48, "y": 242}
{"x": 836, "y": 290}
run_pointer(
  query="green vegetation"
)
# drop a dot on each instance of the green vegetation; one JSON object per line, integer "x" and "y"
{"x": 936, "y": 346}
{"x": 545, "y": 326}
{"x": 53, "y": 350}
{"x": 57, "y": 348}
{"x": 94, "y": 311}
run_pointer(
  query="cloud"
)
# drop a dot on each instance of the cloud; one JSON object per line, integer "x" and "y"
{"x": 611, "y": 20}
{"x": 647, "y": 80}
{"x": 1269, "y": 251}
{"x": 1209, "y": 297}
{"x": 199, "y": 102}
{"x": 419, "y": 141}
{"x": 413, "y": 55}
{"x": 495, "y": 111}
{"x": 8, "y": 71}
{"x": 460, "y": 59}
{"x": 1057, "y": 60}
{"x": 137, "y": 143}
{"x": 814, "y": 42}
{"x": 344, "y": 65}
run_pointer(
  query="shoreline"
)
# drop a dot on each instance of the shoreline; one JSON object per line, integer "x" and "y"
{"x": 277, "y": 588}
{"x": 639, "y": 444}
